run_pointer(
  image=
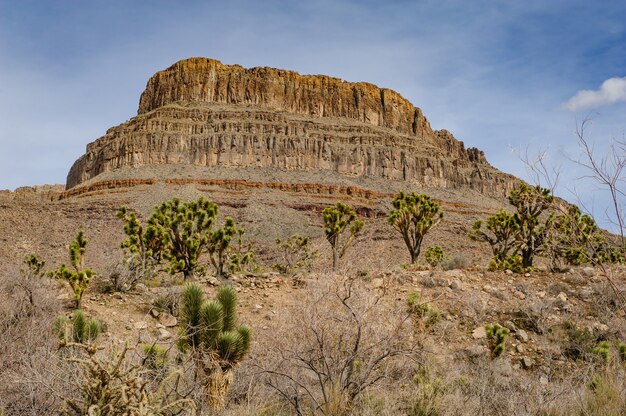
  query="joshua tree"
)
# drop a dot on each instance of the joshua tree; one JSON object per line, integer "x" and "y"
{"x": 219, "y": 243}
{"x": 336, "y": 219}
{"x": 520, "y": 233}
{"x": 144, "y": 247}
{"x": 530, "y": 202}
{"x": 184, "y": 232}
{"x": 78, "y": 277}
{"x": 209, "y": 330}
{"x": 28, "y": 276}
{"x": 412, "y": 216}
{"x": 502, "y": 237}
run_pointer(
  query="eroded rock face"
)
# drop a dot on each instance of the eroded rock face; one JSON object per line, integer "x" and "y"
{"x": 202, "y": 112}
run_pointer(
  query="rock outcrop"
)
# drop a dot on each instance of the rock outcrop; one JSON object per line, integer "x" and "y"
{"x": 204, "y": 113}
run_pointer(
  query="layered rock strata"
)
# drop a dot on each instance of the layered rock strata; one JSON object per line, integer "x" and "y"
{"x": 201, "y": 112}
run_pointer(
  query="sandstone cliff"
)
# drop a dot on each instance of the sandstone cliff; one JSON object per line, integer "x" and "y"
{"x": 204, "y": 113}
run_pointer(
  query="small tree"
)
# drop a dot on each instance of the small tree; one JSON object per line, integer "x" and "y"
{"x": 336, "y": 219}
{"x": 412, "y": 216}
{"x": 209, "y": 330}
{"x": 502, "y": 230}
{"x": 143, "y": 246}
{"x": 219, "y": 244}
{"x": 242, "y": 255}
{"x": 78, "y": 277}
{"x": 184, "y": 232}
{"x": 530, "y": 202}
{"x": 29, "y": 276}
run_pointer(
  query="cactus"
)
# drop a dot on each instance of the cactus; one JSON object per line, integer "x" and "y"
{"x": 209, "y": 330}
{"x": 78, "y": 277}
{"x": 211, "y": 326}
{"x": 413, "y": 216}
{"x": 496, "y": 337}
{"x": 337, "y": 219}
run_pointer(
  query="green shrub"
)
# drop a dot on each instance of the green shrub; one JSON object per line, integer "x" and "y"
{"x": 496, "y": 338}
{"x": 434, "y": 255}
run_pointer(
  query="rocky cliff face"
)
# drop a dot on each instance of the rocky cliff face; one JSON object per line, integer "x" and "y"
{"x": 202, "y": 112}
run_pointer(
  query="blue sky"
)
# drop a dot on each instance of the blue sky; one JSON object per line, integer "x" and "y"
{"x": 497, "y": 74}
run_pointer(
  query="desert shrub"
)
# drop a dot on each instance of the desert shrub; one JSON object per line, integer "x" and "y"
{"x": 496, "y": 339}
{"x": 434, "y": 255}
{"x": 28, "y": 355}
{"x": 603, "y": 350}
{"x": 577, "y": 343}
{"x": 429, "y": 394}
{"x": 167, "y": 302}
{"x": 413, "y": 216}
{"x": 209, "y": 331}
{"x": 78, "y": 277}
{"x": 424, "y": 315}
{"x": 455, "y": 262}
{"x": 605, "y": 395}
{"x": 295, "y": 253}
{"x": 335, "y": 345}
{"x": 338, "y": 219}
{"x": 131, "y": 270}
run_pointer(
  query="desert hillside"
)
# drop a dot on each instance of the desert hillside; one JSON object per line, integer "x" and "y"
{"x": 375, "y": 335}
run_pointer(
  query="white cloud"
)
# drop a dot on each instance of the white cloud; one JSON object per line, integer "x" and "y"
{"x": 611, "y": 91}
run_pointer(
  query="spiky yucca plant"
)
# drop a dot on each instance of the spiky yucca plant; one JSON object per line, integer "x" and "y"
{"x": 209, "y": 331}
{"x": 81, "y": 330}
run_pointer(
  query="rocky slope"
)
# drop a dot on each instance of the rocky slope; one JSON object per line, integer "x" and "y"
{"x": 201, "y": 112}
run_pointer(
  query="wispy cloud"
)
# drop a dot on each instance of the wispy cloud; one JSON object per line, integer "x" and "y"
{"x": 611, "y": 91}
